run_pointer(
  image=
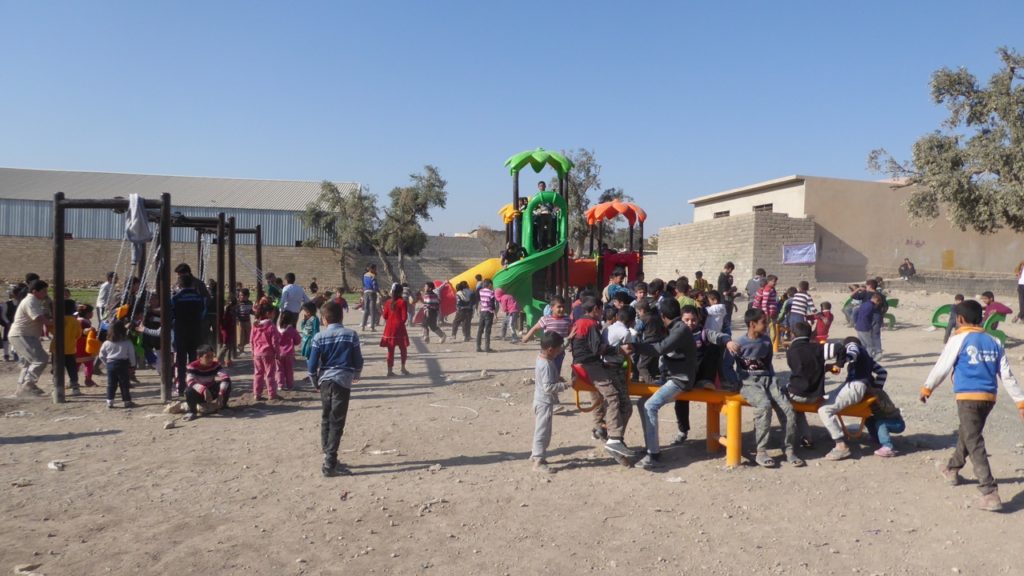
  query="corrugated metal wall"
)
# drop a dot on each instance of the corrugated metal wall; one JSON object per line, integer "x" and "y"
{"x": 35, "y": 218}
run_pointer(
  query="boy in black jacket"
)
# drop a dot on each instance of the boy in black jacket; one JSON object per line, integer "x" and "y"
{"x": 806, "y": 361}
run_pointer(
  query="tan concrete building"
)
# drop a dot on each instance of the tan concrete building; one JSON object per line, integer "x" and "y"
{"x": 863, "y": 228}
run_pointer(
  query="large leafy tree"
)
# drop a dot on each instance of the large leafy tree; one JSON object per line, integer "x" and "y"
{"x": 584, "y": 177}
{"x": 973, "y": 166}
{"x": 401, "y": 232}
{"x": 350, "y": 221}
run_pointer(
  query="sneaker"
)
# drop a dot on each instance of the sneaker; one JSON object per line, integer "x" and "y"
{"x": 599, "y": 433}
{"x": 130, "y": 404}
{"x": 405, "y": 372}
{"x": 952, "y": 477}
{"x": 275, "y": 397}
{"x": 76, "y": 391}
{"x": 837, "y": 454}
{"x": 261, "y": 398}
{"x": 885, "y": 452}
{"x": 110, "y": 403}
{"x": 649, "y": 462}
{"x": 189, "y": 416}
{"x": 990, "y": 502}
{"x": 90, "y": 383}
{"x": 541, "y": 465}
{"x": 338, "y": 469}
{"x": 30, "y": 389}
{"x": 679, "y": 439}
{"x": 619, "y": 447}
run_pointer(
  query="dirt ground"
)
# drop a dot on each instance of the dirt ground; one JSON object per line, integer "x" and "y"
{"x": 442, "y": 484}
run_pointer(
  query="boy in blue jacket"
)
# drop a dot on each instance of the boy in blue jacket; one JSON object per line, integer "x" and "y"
{"x": 977, "y": 359}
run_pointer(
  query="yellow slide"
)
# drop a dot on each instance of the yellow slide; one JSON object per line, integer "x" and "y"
{"x": 486, "y": 269}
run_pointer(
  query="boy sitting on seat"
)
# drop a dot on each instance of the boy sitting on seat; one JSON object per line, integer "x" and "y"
{"x": 207, "y": 384}
{"x": 861, "y": 372}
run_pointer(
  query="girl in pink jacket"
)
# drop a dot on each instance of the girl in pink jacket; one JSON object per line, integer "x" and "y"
{"x": 288, "y": 339}
{"x": 265, "y": 340}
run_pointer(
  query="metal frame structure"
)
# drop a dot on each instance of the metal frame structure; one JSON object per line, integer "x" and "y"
{"x": 163, "y": 281}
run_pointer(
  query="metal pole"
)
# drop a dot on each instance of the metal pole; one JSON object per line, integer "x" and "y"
{"x": 164, "y": 287}
{"x": 259, "y": 262}
{"x": 58, "y": 298}
{"x": 564, "y": 292}
{"x": 232, "y": 277}
{"x": 199, "y": 253}
{"x": 640, "y": 266}
{"x": 517, "y": 221}
{"x": 219, "y": 295}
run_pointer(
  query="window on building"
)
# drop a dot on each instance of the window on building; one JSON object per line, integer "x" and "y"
{"x": 763, "y": 208}
{"x": 722, "y": 214}
{"x": 298, "y": 243}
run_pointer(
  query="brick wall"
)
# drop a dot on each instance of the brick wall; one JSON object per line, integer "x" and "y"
{"x": 88, "y": 260}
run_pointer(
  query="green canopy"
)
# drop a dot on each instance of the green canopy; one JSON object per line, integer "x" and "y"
{"x": 538, "y": 159}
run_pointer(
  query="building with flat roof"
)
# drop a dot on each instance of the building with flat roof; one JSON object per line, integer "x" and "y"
{"x": 860, "y": 228}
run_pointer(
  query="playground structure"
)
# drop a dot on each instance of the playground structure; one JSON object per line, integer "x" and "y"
{"x": 539, "y": 225}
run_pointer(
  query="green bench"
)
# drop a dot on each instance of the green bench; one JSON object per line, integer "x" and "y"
{"x": 940, "y": 318}
{"x": 990, "y": 327}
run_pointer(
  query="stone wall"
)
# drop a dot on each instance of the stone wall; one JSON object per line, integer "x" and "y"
{"x": 88, "y": 260}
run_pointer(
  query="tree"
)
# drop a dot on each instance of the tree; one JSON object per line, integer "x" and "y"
{"x": 584, "y": 177}
{"x": 973, "y": 167}
{"x": 400, "y": 231}
{"x": 348, "y": 221}
{"x": 615, "y": 232}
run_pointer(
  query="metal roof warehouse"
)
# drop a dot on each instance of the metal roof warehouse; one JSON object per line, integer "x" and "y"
{"x": 26, "y": 202}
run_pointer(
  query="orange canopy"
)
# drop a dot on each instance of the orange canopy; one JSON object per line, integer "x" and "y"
{"x": 610, "y": 210}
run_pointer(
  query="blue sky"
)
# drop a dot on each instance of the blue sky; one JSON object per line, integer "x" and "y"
{"x": 677, "y": 99}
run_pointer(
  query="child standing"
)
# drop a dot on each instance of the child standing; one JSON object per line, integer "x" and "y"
{"x": 953, "y": 312}
{"x": 761, "y": 389}
{"x": 244, "y": 319}
{"x": 558, "y": 323}
{"x": 823, "y": 322}
{"x": 431, "y": 306}
{"x": 72, "y": 333}
{"x": 802, "y": 305}
{"x": 228, "y": 320}
{"x": 510, "y": 306}
{"x": 487, "y": 309}
{"x": 863, "y": 321}
{"x": 395, "y": 334}
{"x": 587, "y": 349}
{"x": 886, "y": 419}
{"x": 14, "y": 296}
{"x": 264, "y": 338}
{"x": 288, "y": 339}
{"x": 118, "y": 353}
{"x": 463, "y": 310}
{"x": 308, "y": 326}
{"x": 206, "y": 383}
{"x": 978, "y": 360}
{"x": 335, "y": 363}
{"x": 83, "y": 355}
{"x": 547, "y": 384}
{"x": 862, "y": 372}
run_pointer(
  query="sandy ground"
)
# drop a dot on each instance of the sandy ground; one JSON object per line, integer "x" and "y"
{"x": 442, "y": 484}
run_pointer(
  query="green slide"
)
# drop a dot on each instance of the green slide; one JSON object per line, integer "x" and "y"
{"x": 517, "y": 279}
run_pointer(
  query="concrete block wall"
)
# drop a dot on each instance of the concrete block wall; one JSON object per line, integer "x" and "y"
{"x": 707, "y": 246}
{"x": 87, "y": 261}
{"x": 772, "y": 232}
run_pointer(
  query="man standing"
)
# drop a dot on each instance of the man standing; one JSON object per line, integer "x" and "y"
{"x": 188, "y": 308}
{"x": 25, "y": 335}
{"x": 292, "y": 299}
{"x": 726, "y": 288}
{"x": 335, "y": 363}
{"x": 103, "y": 300}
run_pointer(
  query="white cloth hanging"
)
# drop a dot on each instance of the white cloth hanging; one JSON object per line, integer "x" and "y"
{"x": 136, "y": 228}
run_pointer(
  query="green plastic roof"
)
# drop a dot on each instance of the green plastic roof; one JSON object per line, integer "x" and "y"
{"x": 538, "y": 159}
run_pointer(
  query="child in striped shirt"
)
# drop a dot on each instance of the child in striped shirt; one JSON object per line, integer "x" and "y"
{"x": 558, "y": 322}
{"x": 801, "y": 304}
{"x": 208, "y": 384}
{"x": 487, "y": 308}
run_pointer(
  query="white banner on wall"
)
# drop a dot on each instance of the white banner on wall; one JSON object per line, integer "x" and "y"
{"x": 800, "y": 253}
